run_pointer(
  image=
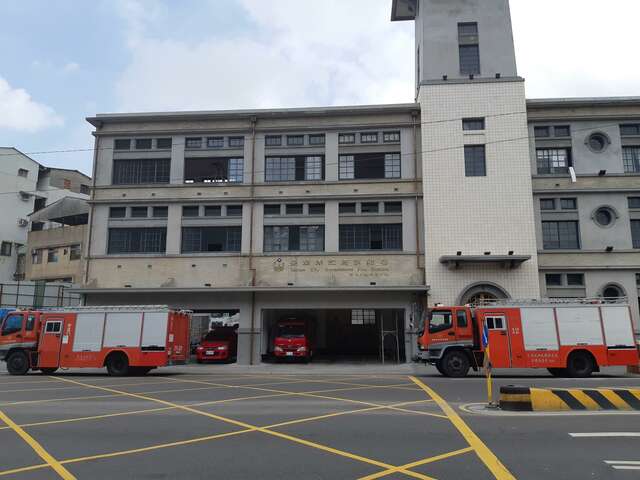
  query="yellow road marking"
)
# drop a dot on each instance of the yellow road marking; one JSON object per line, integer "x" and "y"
{"x": 260, "y": 429}
{"x": 137, "y": 384}
{"x": 487, "y": 456}
{"x": 434, "y": 459}
{"x": 42, "y": 453}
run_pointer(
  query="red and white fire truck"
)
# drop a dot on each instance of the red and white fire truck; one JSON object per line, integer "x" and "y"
{"x": 569, "y": 338}
{"x": 126, "y": 340}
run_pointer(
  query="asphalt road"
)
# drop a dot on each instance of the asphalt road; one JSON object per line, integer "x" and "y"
{"x": 291, "y": 423}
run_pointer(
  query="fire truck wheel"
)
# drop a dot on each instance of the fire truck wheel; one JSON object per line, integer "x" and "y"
{"x": 117, "y": 365}
{"x": 48, "y": 371}
{"x": 558, "y": 372}
{"x": 18, "y": 363}
{"x": 455, "y": 364}
{"x": 580, "y": 365}
{"x": 438, "y": 366}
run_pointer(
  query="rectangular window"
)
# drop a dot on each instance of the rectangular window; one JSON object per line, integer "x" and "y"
{"x": 141, "y": 171}
{"x": 236, "y": 170}
{"x": 143, "y": 144}
{"x": 568, "y": 203}
{"x": 470, "y": 124}
{"x": 215, "y": 142}
{"x": 346, "y": 167}
{"x": 553, "y": 279}
{"x": 160, "y": 212}
{"x": 630, "y": 130}
{"x": 5, "y": 249}
{"x": 468, "y": 29}
{"x": 547, "y": 204}
{"x": 214, "y": 170}
{"x": 272, "y": 209}
{"x": 313, "y": 168}
{"x": 294, "y": 238}
{"x": 369, "y": 207}
{"x": 553, "y": 160}
{"x": 23, "y": 172}
{"x": 392, "y": 165}
{"x": 193, "y": 142}
{"x": 392, "y": 207}
{"x": 117, "y": 212}
{"x": 562, "y": 131}
{"x": 234, "y": 210}
{"x": 85, "y": 189}
{"x": 635, "y": 233}
{"x": 280, "y": 169}
{"x": 347, "y": 208}
{"x": 575, "y": 279}
{"x": 368, "y": 138}
{"x": 122, "y": 144}
{"x": 137, "y": 240}
{"x": 391, "y": 137}
{"x": 212, "y": 211}
{"x": 75, "y": 252}
{"x": 36, "y": 256}
{"x": 316, "y": 209}
{"x": 475, "y": 164}
{"x": 52, "y": 255}
{"x": 191, "y": 211}
{"x": 541, "y": 132}
{"x": 346, "y": 138}
{"x": 273, "y": 140}
{"x": 470, "y": 59}
{"x": 634, "y": 202}
{"x": 211, "y": 239}
{"x": 631, "y": 159}
{"x": 295, "y": 140}
{"x": 139, "y": 212}
{"x": 365, "y": 166}
{"x": 163, "y": 143}
{"x": 236, "y": 142}
{"x": 363, "y": 317}
{"x": 560, "y": 235}
{"x": 293, "y": 209}
{"x": 371, "y": 237}
{"x": 317, "y": 139}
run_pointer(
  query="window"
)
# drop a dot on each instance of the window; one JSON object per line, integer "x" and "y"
{"x": 317, "y": 139}
{"x": 66, "y": 184}
{"x": 635, "y": 233}
{"x": 5, "y": 249}
{"x": 23, "y": 172}
{"x": 191, "y": 211}
{"x": 630, "y": 130}
{"x": 560, "y": 235}
{"x": 31, "y": 322}
{"x": 313, "y": 168}
{"x": 469, "y": 59}
{"x": 117, "y": 212}
{"x": 211, "y": 239}
{"x": 75, "y": 252}
{"x": 371, "y": 237}
{"x": 368, "y": 138}
{"x": 139, "y": 212}
{"x": 553, "y": 279}
{"x": 461, "y": 318}
{"x": 634, "y": 202}
{"x": 604, "y": 217}
{"x": 213, "y": 211}
{"x": 12, "y": 324}
{"x": 346, "y": 167}
{"x": 287, "y": 169}
{"x": 439, "y": 321}
{"x": 541, "y": 132}
{"x": 369, "y": 207}
{"x": 363, "y": 317}
{"x": 122, "y": 144}
{"x": 273, "y": 140}
{"x": 346, "y": 138}
{"x": 568, "y": 204}
{"x": 369, "y": 166}
{"x": 193, "y": 142}
{"x": 316, "y": 209}
{"x": 391, "y": 137}
{"x": 85, "y": 189}
{"x": 475, "y": 161}
{"x": 143, "y": 144}
{"x": 272, "y": 209}
{"x": 160, "y": 212}
{"x": 294, "y": 238}
{"x": 53, "y": 327}
{"x": 214, "y": 170}
{"x": 553, "y": 160}
{"x": 392, "y": 165}
{"x": 236, "y": 170}
{"x": 473, "y": 124}
{"x": 36, "y": 256}
{"x": 137, "y": 240}
{"x": 575, "y": 279}
{"x": 234, "y": 210}
{"x": 163, "y": 143}
{"x": 496, "y": 323}
{"x": 631, "y": 159}
{"x": 562, "y": 131}
{"x": 467, "y": 29}
{"x": 347, "y": 208}
{"x": 547, "y": 204}
{"x": 141, "y": 171}
{"x": 294, "y": 209}
{"x": 392, "y": 207}
{"x": 215, "y": 142}
{"x": 295, "y": 140}
{"x": 597, "y": 142}
{"x": 52, "y": 255}
{"x": 236, "y": 142}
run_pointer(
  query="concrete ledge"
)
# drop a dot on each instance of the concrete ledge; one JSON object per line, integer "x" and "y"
{"x": 515, "y": 398}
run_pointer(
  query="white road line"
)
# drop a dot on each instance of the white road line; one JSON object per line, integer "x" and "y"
{"x": 625, "y": 467}
{"x": 605, "y": 434}
{"x": 622, "y": 462}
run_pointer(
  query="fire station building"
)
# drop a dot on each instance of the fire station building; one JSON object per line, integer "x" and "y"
{"x": 357, "y": 218}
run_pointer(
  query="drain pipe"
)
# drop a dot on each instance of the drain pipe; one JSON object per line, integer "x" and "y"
{"x": 252, "y": 269}
{"x": 89, "y": 234}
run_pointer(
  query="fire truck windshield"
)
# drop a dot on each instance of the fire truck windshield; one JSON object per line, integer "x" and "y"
{"x": 440, "y": 320}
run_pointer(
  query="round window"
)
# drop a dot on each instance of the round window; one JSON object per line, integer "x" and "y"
{"x": 597, "y": 142}
{"x": 604, "y": 217}
{"x": 612, "y": 292}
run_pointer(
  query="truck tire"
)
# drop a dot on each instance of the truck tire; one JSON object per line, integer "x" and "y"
{"x": 557, "y": 372}
{"x": 438, "y": 366}
{"x": 455, "y": 364}
{"x": 49, "y": 371}
{"x": 580, "y": 365}
{"x": 117, "y": 365}
{"x": 18, "y": 363}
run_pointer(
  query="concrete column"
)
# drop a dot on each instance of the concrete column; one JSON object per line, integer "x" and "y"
{"x": 409, "y": 240}
{"x": 331, "y": 157}
{"x": 407, "y": 160}
{"x": 331, "y": 227}
{"x": 174, "y": 229}
{"x": 259, "y": 160}
{"x": 248, "y": 153}
{"x": 177, "y": 160}
{"x": 104, "y": 164}
{"x": 247, "y": 223}
{"x": 100, "y": 233}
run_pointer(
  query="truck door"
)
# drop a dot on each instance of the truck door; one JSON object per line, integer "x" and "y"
{"x": 12, "y": 330}
{"x": 50, "y": 343}
{"x": 499, "y": 347}
{"x": 441, "y": 329}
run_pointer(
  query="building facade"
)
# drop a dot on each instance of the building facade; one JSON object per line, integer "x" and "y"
{"x": 358, "y": 218}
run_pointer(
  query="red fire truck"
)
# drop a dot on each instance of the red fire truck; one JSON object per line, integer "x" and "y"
{"x": 573, "y": 338}
{"x": 126, "y": 340}
{"x": 293, "y": 339}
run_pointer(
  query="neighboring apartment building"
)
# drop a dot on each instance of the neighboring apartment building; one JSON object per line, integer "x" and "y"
{"x": 357, "y": 218}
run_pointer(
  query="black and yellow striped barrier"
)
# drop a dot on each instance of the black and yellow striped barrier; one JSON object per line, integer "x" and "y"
{"x": 526, "y": 399}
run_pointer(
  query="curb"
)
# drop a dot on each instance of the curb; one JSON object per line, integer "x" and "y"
{"x": 525, "y": 399}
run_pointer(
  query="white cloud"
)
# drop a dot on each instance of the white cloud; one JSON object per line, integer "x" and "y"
{"x": 70, "y": 67}
{"x": 20, "y": 112}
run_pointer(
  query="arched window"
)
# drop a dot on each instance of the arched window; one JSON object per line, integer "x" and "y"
{"x": 612, "y": 292}
{"x": 482, "y": 293}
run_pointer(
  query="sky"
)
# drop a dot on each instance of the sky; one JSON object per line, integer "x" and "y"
{"x": 65, "y": 60}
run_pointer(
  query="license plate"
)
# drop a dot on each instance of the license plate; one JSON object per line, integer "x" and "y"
{"x": 289, "y": 354}
{"x": 210, "y": 352}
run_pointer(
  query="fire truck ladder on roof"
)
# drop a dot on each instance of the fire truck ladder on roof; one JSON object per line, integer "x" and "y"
{"x": 553, "y": 301}
{"x": 114, "y": 308}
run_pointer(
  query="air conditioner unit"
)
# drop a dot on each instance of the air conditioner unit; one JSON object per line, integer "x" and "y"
{"x": 23, "y": 222}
